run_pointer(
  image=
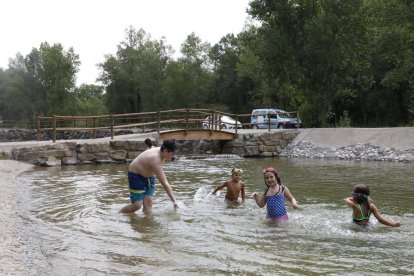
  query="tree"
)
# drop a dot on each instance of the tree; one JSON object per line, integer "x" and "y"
{"x": 133, "y": 78}
{"x": 17, "y": 100}
{"x": 90, "y": 100}
{"x": 391, "y": 29}
{"x": 195, "y": 64}
{"x": 314, "y": 47}
{"x": 53, "y": 71}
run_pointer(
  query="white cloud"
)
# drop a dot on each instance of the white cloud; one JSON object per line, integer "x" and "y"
{"x": 95, "y": 27}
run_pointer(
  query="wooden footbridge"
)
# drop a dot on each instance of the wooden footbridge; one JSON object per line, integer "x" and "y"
{"x": 180, "y": 124}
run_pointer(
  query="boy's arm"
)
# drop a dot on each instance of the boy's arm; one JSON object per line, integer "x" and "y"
{"x": 159, "y": 173}
{"x": 382, "y": 220}
{"x": 292, "y": 200}
{"x": 218, "y": 188}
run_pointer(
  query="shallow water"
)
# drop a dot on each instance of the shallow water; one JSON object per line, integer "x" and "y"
{"x": 70, "y": 221}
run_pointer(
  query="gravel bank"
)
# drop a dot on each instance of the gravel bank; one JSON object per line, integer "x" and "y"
{"x": 372, "y": 144}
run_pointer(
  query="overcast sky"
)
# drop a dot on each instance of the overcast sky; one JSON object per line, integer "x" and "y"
{"x": 95, "y": 27}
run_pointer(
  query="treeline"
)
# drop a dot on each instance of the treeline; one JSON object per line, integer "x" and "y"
{"x": 347, "y": 62}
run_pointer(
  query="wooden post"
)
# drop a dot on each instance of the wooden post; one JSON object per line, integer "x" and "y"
{"x": 112, "y": 126}
{"x": 268, "y": 116}
{"x": 212, "y": 121}
{"x": 37, "y": 128}
{"x": 159, "y": 122}
{"x": 186, "y": 121}
{"x": 236, "y": 125}
{"x": 94, "y": 128}
{"x": 54, "y": 128}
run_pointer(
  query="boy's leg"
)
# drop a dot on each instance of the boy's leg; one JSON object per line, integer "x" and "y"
{"x": 132, "y": 207}
{"x": 147, "y": 205}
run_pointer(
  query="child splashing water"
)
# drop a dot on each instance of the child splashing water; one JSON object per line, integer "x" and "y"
{"x": 362, "y": 207}
{"x": 235, "y": 187}
{"x": 274, "y": 196}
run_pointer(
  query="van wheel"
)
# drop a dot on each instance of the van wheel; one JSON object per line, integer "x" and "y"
{"x": 281, "y": 126}
{"x": 205, "y": 126}
{"x": 255, "y": 127}
{"x": 223, "y": 127}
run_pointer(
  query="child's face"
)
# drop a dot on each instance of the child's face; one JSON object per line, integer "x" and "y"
{"x": 236, "y": 176}
{"x": 270, "y": 178}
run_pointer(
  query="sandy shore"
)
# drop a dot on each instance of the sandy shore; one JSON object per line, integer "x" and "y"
{"x": 12, "y": 249}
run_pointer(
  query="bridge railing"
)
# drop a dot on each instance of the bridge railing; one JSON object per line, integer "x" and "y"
{"x": 187, "y": 119}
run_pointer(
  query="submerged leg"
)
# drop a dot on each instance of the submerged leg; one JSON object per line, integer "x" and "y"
{"x": 132, "y": 207}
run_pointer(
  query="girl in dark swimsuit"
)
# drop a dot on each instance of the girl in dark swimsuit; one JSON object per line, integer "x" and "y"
{"x": 362, "y": 207}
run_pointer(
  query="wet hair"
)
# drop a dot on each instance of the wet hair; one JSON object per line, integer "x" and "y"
{"x": 148, "y": 142}
{"x": 361, "y": 194}
{"x": 169, "y": 145}
{"x": 275, "y": 172}
{"x": 236, "y": 170}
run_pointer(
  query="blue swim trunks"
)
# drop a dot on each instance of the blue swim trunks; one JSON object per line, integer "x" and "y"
{"x": 140, "y": 186}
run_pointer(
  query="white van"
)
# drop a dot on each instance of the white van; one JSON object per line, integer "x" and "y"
{"x": 278, "y": 118}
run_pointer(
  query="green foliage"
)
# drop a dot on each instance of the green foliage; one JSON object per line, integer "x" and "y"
{"x": 133, "y": 78}
{"x": 336, "y": 62}
{"x": 53, "y": 72}
{"x": 344, "y": 120}
{"x": 90, "y": 100}
{"x": 39, "y": 84}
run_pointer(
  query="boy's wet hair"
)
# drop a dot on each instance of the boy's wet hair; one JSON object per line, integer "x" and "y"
{"x": 236, "y": 170}
{"x": 169, "y": 145}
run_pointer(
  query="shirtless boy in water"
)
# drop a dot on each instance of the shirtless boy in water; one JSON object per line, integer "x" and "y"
{"x": 234, "y": 186}
{"x": 141, "y": 177}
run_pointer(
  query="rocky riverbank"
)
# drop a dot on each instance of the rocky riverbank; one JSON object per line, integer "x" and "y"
{"x": 370, "y": 144}
{"x": 359, "y": 152}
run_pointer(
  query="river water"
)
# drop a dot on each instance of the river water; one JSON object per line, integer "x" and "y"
{"x": 70, "y": 222}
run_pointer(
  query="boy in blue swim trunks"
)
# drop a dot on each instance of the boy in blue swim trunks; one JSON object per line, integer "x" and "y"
{"x": 141, "y": 177}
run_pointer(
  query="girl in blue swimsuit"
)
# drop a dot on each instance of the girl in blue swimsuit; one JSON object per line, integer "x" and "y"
{"x": 362, "y": 207}
{"x": 274, "y": 196}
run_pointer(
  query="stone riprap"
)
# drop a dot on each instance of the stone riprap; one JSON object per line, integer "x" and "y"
{"x": 368, "y": 152}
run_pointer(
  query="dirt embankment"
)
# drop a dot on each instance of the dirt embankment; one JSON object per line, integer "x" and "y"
{"x": 399, "y": 138}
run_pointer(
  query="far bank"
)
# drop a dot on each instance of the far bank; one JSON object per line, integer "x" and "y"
{"x": 379, "y": 144}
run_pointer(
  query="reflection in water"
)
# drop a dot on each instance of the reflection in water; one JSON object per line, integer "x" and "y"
{"x": 70, "y": 218}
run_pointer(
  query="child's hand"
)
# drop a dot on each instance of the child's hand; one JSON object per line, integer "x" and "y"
{"x": 254, "y": 195}
{"x": 397, "y": 224}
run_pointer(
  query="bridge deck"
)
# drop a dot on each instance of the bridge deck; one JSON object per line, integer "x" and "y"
{"x": 197, "y": 134}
